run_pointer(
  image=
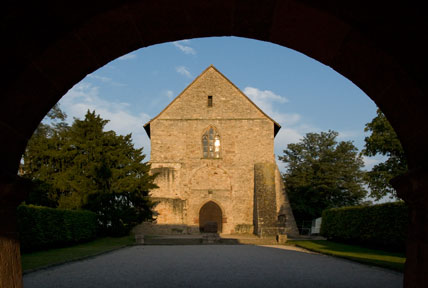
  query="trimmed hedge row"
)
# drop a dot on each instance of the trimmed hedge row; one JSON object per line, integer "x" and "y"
{"x": 383, "y": 225}
{"x": 43, "y": 227}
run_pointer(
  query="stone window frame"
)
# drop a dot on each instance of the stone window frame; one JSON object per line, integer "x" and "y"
{"x": 210, "y": 101}
{"x": 207, "y": 143}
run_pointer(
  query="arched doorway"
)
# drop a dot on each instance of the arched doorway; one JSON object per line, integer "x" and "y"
{"x": 210, "y": 218}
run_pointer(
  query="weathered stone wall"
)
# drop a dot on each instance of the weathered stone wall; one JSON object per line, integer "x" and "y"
{"x": 233, "y": 185}
{"x": 265, "y": 213}
{"x": 283, "y": 205}
{"x": 169, "y": 178}
{"x": 170, "y": 210}
{"x": 246, "y": 137}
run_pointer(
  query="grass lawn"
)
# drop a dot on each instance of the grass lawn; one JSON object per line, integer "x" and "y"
{"x": 386, "y": 259}
{"x": 60, "y": 255}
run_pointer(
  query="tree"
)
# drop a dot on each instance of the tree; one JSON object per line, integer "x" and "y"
{"x": 83, "y": 166}
{"x": 384, "y": 141}
{"x": 86, "y": 152}
{"x": 322, "y": 173}
{"x": 118, "y": 213}
{"x": 42, "y": 160}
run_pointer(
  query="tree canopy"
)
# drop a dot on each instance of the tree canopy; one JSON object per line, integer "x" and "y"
{"x": 383, "y": 141}
{"x": 322, "y": 173}
{"x": 42, "y": 160}
{"x": 72, "y": 167}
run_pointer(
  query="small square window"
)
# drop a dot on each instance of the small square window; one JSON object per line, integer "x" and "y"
{"x": 210, "y": 101}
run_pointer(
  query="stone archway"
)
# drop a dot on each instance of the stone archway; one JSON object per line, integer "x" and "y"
{"x": 210, "y": 218}
{"x": 48, "y": 47}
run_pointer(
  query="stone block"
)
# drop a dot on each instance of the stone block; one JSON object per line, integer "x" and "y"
{"x": 281, "y": 238}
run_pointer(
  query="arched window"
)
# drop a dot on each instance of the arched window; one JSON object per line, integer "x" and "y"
{"x": 211, "y": 143}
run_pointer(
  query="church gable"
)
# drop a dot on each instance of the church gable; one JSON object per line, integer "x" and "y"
{"x": 212, "y": 96}
{"x": 214, "y": 149}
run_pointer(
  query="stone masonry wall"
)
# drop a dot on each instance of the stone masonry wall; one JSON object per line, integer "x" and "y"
{"x": 265, "y": 213}
{"x": 170, "y": 210}
{"x": 246, "y": 137}
{"x": 283, "y": 205}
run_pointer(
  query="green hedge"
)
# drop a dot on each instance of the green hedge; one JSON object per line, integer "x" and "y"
{"x": 383, "y": 225}
{"x": 43, "y": 227}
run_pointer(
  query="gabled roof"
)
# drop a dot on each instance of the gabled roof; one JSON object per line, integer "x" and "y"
{"x": 276, "y": 125}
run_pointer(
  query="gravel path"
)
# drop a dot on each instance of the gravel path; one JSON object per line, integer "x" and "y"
{"x": 212, "y": 266}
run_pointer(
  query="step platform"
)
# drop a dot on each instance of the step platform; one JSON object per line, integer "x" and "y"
{"x": 209, "y": 238}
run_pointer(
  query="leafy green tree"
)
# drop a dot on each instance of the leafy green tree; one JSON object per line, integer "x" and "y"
{"x": 383, "y": 141}
{"x": 322, "y": 173}
{"x": 83, "y": 166}
{"x": 42, "y": 160}
{"x": 118, "y": 213}
{"x": 85, "y": 152}
{"x": 39, "y": 194}
{"x": 84, "y": 159}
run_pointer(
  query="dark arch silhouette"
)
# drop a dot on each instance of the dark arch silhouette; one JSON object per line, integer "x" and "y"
{"x": 49, "y": 46}
{"x": 210, "y": 218}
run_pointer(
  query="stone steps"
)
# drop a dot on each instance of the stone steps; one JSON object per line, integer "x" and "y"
{"x": 172, "y": 241}
{"x": 205, "y": 239}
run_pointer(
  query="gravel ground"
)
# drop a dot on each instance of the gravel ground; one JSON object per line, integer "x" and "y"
{"x": 212, "y": 266}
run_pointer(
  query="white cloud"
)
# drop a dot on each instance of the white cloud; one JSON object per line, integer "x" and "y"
{"x": 284, "y": 137}
{"x": 183, "y": 71}
{"x": 105, "y": 80}
{"x": 84, "y": 96}
{"x": 287, "y": 119}
{"x": 287, "y": 136}
{"x": 129, "y": 56}
{"x": 169, "y": 94}
{"x": 292, "y": 130}
{"x": 263, "y": 95}
{"x": 184, "y": 48}
{"x": 293, "y": 134}
{"x": 266, "y": 100}
{"x": 100, "y": 78}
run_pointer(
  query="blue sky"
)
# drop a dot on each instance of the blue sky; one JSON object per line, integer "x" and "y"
{"x": 301, "y": 94}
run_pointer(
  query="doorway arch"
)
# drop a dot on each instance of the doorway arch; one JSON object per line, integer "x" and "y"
{"x": 381, "y": 48}
{"x": 210, "y": 218}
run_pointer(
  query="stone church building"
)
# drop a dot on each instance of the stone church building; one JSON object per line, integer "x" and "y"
{"x": 213, "y": 150}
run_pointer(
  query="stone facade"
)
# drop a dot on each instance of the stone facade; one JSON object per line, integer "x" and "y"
{"x": 195, "y": 183}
